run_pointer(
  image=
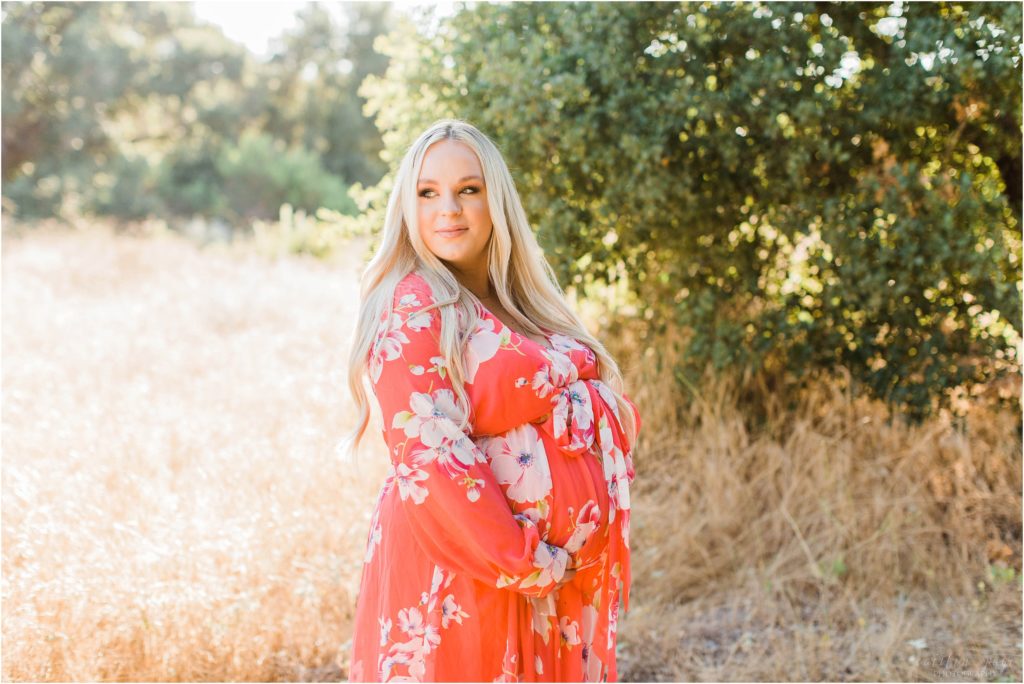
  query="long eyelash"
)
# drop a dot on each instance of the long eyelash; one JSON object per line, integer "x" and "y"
{"x": 474, "y": 188}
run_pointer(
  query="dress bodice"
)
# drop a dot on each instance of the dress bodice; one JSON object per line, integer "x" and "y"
{"x": 489, "y": 517}
{"x": 512, "y": 380}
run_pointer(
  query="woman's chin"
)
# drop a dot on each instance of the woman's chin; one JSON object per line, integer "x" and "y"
{"x": 455, "y": 259}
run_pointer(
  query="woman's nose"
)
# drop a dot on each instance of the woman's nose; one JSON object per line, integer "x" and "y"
{"x": 450, "y": 205}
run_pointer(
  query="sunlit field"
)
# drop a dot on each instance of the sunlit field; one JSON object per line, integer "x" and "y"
{"x": 174, "y": 508}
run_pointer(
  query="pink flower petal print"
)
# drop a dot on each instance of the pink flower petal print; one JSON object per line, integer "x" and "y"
{"x": 431, "y": 416}
{"x": 570, "y": 631}
{"x": 387, "y": 346}
{"x": 451, "y": 611}
{"x": 482, "y": 345}
{"x": 551, "y": 561}
{"x": 410, "y": 621}
{"x": 520, "y": 461}
{"x": 408, "y": 479}
{"x": 587, "y": 521}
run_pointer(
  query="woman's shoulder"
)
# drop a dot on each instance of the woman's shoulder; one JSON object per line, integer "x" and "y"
{"x": 414, "y": 285}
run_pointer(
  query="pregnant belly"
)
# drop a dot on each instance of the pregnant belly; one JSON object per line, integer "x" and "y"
{"x": 565, "y": 494}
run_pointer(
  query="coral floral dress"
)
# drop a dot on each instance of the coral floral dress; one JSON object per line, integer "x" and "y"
{"x": 471, "y": 532}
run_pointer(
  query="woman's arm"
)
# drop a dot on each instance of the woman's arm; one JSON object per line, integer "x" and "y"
{"x": 454, "y": 505}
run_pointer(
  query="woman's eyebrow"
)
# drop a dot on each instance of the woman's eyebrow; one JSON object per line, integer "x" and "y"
{"x": 461, "y": 180}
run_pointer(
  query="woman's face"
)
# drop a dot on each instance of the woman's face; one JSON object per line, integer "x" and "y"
{"x": 451, "y": 194}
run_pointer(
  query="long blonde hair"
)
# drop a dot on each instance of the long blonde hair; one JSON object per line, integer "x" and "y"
{"x": 521, "y": 277}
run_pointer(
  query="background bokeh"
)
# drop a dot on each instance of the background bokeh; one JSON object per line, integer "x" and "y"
{"x": 796, "y": 225}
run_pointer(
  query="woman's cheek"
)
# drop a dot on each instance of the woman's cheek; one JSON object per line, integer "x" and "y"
{"x": 426, "y": 234}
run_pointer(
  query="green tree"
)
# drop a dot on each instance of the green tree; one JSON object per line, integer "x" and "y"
{"x": 798, "y": 185}
{"x": 133, "y": 109}
{"x": 86, "y": 84}
{"x": 260, "y": 174}
{"x": 312, "y": 82}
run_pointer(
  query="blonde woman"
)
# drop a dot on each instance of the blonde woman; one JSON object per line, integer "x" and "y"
{"x": 499, "y": 543}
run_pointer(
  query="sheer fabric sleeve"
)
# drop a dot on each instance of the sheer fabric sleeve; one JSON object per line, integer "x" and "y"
{"x": 451, "y": 499}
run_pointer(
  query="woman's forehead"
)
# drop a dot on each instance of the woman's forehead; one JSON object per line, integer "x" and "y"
{"x": 449, "y": 161}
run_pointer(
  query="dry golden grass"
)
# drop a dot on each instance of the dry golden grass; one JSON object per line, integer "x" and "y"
{"x": 829, "y": 545}
{"x": 173, "y": 508}
{"x": 172, "y": 505}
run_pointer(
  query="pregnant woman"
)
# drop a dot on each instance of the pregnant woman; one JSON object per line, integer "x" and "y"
{"x": 499, "y": 544}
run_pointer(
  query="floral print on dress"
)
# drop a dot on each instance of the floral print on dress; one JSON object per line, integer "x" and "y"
{"x": 481, "y": 346}
{"x": 520, "y": 461}
{"x": 473, "y": 530}
{"x": 573, "y": 407}
{"x": 387, "y": 346}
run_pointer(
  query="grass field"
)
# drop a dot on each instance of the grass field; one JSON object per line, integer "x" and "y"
{"x": 174, "y": 508}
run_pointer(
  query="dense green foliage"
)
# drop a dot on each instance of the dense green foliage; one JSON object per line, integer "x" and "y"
{"x": 801, "y": 186}
{"x": 793, "y": 187}
{"x": 134, "y": 109}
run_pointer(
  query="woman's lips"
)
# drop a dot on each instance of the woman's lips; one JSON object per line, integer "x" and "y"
{"x": 453, "y": 232}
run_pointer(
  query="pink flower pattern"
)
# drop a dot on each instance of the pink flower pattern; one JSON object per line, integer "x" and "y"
{"x": 469, "y": 521}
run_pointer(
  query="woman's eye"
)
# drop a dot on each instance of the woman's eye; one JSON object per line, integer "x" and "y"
{"x": 423, "y": 193}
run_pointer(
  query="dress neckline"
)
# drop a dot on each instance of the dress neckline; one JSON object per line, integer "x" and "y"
{"x": 548, "y": 346}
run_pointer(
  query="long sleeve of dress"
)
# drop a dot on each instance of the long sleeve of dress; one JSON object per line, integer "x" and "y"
{"x": 449, "y": 495}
